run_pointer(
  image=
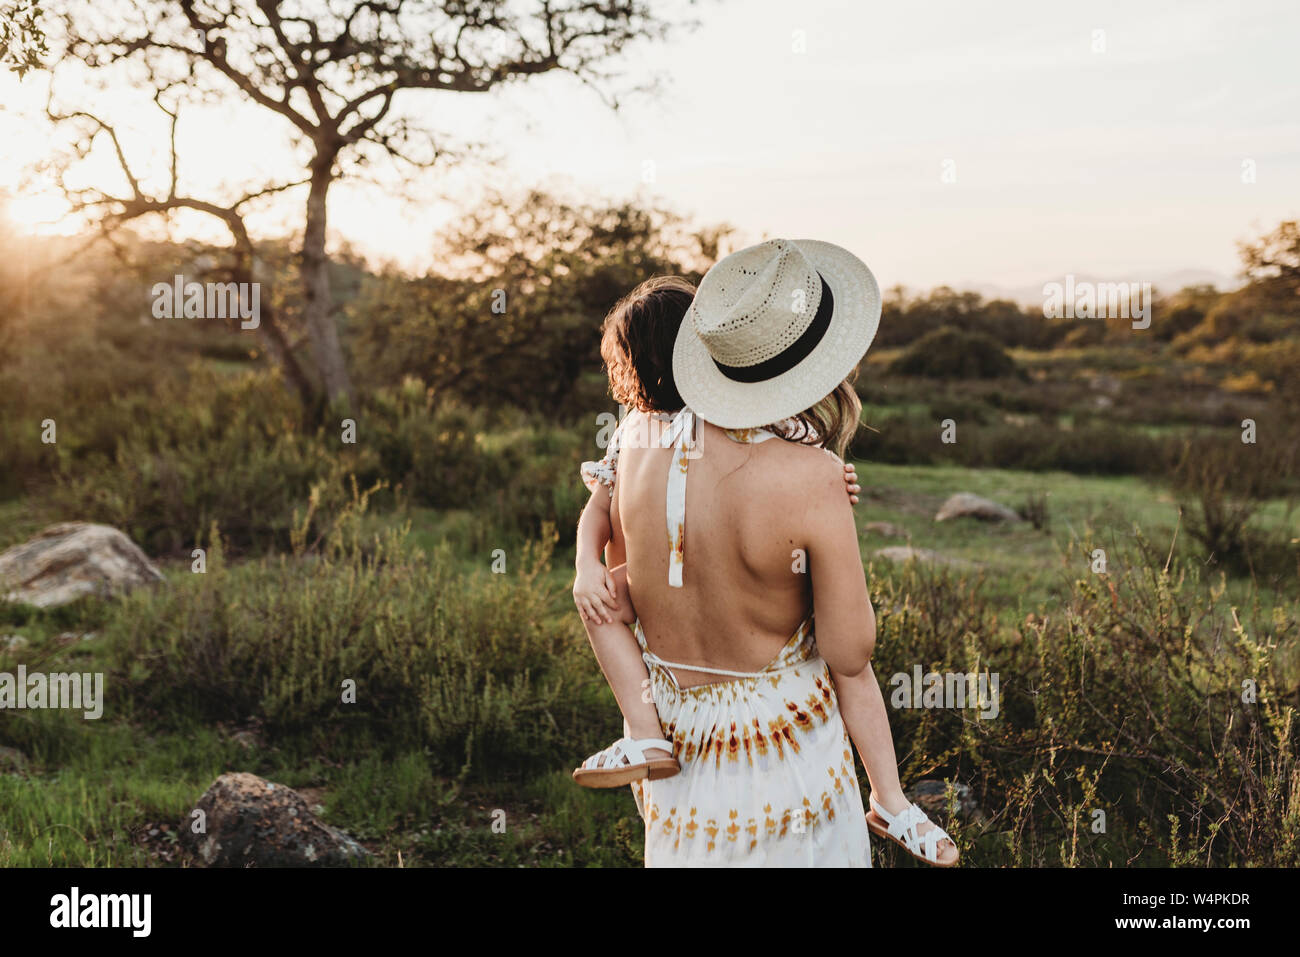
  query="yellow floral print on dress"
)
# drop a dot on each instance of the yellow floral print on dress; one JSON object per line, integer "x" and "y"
{"x": 752, "y": 753}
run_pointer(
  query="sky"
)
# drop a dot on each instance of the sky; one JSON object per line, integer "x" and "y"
{"x": 979, "y": 145}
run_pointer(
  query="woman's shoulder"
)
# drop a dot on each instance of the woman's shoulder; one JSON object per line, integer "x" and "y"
{"x": 807, "y": 472}
{"x": 805, "y": 456}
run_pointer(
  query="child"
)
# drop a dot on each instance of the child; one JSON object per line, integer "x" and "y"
{"x": 637, "y": 346}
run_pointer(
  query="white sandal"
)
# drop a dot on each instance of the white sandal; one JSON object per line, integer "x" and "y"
{"x": 624, "y": 761}
{"x": 903, "y": 830}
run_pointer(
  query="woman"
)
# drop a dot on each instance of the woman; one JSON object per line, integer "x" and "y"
{"x": 744, "y": 693}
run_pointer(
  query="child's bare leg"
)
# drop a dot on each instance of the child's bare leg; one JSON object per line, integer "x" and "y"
{"x": 863, "y": 708}
{"x": 862, "y": 705}
{"x": 620, "y": 659}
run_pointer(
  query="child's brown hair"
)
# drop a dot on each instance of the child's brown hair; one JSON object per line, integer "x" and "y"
{"x": 637, "y": 344}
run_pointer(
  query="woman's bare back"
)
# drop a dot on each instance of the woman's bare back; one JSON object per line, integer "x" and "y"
{"x": 746, "y": 587}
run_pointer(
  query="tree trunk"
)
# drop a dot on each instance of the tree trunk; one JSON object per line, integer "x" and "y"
{"x": 278, "y": 345}
{"x": 269, "y": 326}
{"x": 317, "y": 303}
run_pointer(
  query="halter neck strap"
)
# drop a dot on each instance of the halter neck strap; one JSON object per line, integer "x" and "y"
{"x": 681, "y": 435}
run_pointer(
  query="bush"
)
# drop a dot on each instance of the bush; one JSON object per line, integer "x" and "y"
{"x": 518, "y": 472}
{"x": 1126, "y": 700}
{"x": 216, "y": 448}
{"x": 1222, "y": 482}
{"x": 233, "y": 450}
{"x": 1036, "y": 446}
{"x": 475, "y": 669}
{"x": 951, "y": 353}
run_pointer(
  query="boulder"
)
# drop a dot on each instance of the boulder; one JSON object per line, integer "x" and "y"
{"x": 964, "y": 504}
{"x": 252, "y": 822}
{"x": 885, "y": 529}
{"x": 12, "y": 760}
{"x": 932, "y": 798}
{"x": 906, "y": 553}
{"x": 72, "y": 559}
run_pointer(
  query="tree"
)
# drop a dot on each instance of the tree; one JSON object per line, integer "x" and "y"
{"x": 520, "y": 322}
{"x": 333, "y": 71}
{"x": 114, "y": 210}
{"x": 22, "y": 38}
{"x": 1272, "y": 263}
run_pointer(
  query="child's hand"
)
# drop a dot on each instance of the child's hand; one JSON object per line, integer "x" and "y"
{"x": 851, "y": 482}
{"x": 594, "y": 593}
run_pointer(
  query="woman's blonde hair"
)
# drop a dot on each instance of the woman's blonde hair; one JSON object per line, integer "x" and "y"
{"x": 831, "y": 423}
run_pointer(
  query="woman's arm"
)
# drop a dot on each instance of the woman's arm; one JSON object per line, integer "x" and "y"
{"x": 845, "y": 620}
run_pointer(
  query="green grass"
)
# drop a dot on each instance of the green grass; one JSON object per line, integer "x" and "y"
{"x": 100, "y": 793}
{"x": 93, "y": 787}
{"x": 1025, "y": 569}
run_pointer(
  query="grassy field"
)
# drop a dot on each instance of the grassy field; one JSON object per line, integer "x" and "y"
{"x": 114, "y": 791}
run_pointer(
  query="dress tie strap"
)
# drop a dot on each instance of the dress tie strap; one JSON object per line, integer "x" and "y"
{"x": 651, "y": 658}
{"x": 679, "y": 436}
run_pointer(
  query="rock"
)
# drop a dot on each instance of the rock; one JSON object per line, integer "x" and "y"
{"x": 906, "y": 553}
{"x": 248, "y": 740}
{"x": 11, "y": 759}
{"x": 66, "y": 561}
{"x": 12, "y": 642}
{"x": 70, "y": 637}
{"x": 965, "y": 504}
{"x": 885, "y": 529}
{"x": 1106, "y": 383}
{"x": 932, "y": 798}
{"x": 251, "y": 822}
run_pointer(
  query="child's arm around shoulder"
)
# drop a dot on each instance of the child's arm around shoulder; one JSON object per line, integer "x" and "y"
{"x": 594, "y": 591}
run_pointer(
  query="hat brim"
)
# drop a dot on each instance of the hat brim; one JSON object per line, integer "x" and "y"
{"x": 746, "y": 405}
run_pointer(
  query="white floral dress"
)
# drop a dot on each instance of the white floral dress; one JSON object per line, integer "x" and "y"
{"x": 767, "y": 773}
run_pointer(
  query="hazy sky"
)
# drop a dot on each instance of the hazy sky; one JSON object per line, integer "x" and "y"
{"x": 1118, "y": 154}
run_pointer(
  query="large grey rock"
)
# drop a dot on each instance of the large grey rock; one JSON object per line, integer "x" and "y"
{"x": 72, "y": 559}
{"x": 252, "y": 822}
{"x": 965, "y": 504}
{"x": 906, "y": 553}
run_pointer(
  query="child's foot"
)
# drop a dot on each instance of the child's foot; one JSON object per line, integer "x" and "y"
{"x": 907, "y": 826}
{"x": 626, "y": 761}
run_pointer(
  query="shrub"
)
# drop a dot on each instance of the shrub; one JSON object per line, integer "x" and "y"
{"x": 225, "y": 449}
{"x": 953, "y": 353}
{"x": 1127, "y": 699}
{"x": 1036, "y": 446}
{"x": 474, "y": 668}
{"x": 1222, "y": 482}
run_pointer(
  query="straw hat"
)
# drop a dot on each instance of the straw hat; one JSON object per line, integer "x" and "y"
{"x": 772, "y": 331}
